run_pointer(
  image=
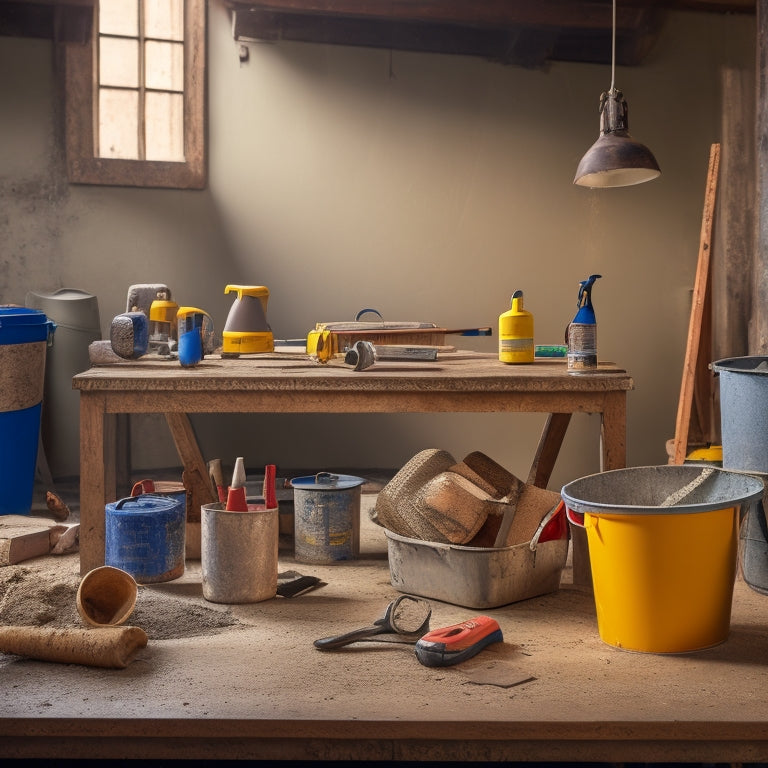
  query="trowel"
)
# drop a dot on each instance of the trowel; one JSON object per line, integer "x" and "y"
{"x": 363, "y": 354}
{"x": 246, "y": 330}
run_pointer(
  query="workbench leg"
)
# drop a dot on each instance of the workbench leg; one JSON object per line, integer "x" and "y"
{"x": 613, "y": 432}
{"x": 548, "y": 449}
{"x": 98, "y": 433}
{"x": 613, "y": 455}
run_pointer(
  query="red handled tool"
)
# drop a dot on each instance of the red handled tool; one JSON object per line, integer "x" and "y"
{"x": 143, "y": 486}
{"x": 217, "y": 478}
{"x": 450, "y": 645}
{"x": 269, "y": 492}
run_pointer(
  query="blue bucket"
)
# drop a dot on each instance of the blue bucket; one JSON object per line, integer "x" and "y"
{"x": 145, "y": 536}
{"x": 326, "y": 517}
{"x": 24, "y": 338}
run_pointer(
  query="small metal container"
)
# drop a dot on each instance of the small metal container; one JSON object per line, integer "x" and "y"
{"x": 326, "y": 517}
{"x": 238, "y": 553}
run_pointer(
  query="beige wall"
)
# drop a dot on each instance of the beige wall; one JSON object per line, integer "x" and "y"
{"x": 429, "y": 187}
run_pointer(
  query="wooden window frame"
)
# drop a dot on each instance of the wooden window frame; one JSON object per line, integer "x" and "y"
{"x": 83, "y": 167}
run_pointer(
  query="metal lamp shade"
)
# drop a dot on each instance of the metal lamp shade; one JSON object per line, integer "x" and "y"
{"x": 615, "y": 159}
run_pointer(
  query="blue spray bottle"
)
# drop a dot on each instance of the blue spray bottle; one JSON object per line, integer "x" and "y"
{"x": 581, "y": 334}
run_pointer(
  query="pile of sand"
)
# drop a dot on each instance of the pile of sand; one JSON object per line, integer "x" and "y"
{"x": 43, "y": 592}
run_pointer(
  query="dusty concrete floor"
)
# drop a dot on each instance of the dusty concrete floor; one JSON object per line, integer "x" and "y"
{"x": 227, "y": 664}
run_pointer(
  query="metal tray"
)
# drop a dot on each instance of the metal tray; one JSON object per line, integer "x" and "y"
{"x": 477, "y": 577}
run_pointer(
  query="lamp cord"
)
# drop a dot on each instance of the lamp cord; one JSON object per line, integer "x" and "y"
{"x": 613, "y": 50}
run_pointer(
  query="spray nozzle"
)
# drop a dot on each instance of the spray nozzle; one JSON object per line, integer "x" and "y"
{"x": 585, "y": 291}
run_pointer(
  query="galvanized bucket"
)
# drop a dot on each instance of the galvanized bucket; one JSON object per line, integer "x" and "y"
{"x": 326, "y": 517}
{"x": 744, "y": 412}
{"x": 238, "y": 553}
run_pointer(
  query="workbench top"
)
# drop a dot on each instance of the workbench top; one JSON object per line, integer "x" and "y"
{"x": 286, "y": 371}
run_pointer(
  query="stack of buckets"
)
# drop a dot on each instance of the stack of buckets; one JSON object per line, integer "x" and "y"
{"x": 24, "y": 338}
{"x": 744, "y": 428}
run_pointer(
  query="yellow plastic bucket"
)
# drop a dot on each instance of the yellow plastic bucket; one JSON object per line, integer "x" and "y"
{"x": 662, "y": 571}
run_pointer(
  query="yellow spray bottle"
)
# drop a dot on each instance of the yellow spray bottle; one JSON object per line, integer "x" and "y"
{"x": 516, "y": 333}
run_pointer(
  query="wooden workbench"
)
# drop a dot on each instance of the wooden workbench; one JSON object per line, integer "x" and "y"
{"x": 460, "y": 382}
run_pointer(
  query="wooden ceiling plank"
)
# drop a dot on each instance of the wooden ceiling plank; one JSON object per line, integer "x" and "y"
{"x": 586, "y": 14}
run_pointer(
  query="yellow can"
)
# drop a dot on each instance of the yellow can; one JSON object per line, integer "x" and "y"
{"x": 516, "y": 333}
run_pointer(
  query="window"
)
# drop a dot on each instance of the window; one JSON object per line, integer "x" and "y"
{"x": 135, "y": 96}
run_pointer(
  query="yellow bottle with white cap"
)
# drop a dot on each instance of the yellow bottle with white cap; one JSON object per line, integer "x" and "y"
{"x": 516, "y": 333}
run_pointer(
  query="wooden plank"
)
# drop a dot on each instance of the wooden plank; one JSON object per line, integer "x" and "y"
{"x": 733, "y": 278}
{"x": 548, "y": 449}
{"x": 585, "y": 14}
{"x": 195, "y": 475}
{"x": 97, "y": 478}
{"x": 757, "y": 300}
{"x": 695, "y": 336}
{"x": 507, "y": 34}
{"x": 23, "y": 537}
{"x": 195, "y": 478}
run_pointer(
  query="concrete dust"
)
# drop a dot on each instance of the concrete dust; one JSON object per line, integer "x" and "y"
{"x": 43, "y": 592}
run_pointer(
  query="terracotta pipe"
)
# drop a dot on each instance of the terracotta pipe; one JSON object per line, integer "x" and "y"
{"x": 111, "y": 647}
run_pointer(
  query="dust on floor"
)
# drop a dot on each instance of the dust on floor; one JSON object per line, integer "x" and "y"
{"x": 45, "y": 594}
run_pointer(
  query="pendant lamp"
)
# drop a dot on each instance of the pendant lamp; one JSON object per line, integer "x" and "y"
{"x": 615, "y": 159}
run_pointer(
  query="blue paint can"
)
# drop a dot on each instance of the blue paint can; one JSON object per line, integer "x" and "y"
{"x": 145, "y": 536}
{"x": 326, "y": 517}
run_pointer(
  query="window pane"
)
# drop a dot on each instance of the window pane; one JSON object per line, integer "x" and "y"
{"x": 119, "y": 17}
{"x": 119, "y": 62}
{"x": 164, "y": 19}
{"x": 118, "y": 123}
{"x": 164, "y": 121}
{"x": 164, "y": 66}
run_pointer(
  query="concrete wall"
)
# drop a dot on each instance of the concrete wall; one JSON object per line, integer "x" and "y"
{"x": 427, "y": 186}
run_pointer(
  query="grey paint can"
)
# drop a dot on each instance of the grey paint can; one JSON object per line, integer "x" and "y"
{"x": 326, "y": 517}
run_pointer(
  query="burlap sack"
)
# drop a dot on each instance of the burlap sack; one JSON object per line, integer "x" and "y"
{"x": 451, "y": 509}
{"x": 396, "y": 505}
{"x": 503, "y": 481}
{"x": 475, "y": 502}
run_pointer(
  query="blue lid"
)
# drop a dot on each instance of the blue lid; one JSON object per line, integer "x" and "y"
{"x": 145, "y": 503}
{"x": 23, "y": 325}
{"x": 326, "y": 481}
{"x": 21, "y": 316}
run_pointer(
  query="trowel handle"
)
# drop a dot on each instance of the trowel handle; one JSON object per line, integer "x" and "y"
{"x": 327, "y": 643}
